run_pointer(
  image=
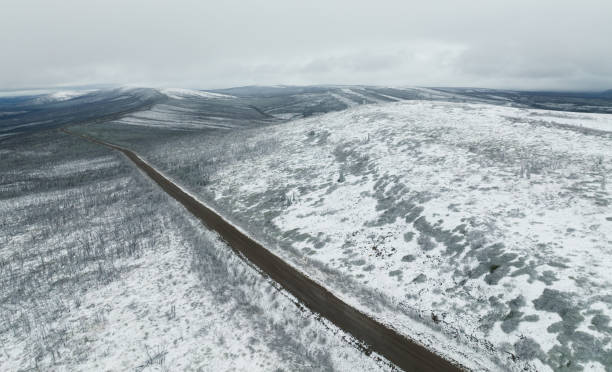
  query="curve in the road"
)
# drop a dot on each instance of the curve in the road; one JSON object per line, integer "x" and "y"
{"x": 403, "y": 352}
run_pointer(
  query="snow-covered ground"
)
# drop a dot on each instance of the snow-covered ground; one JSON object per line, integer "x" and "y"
{"x": 181, "y": 118}
{"x": 484, "y": 232}
{"x": 180, "y": 93}
{"x": 63, "y": 95}
{"x": 100, "y": 270}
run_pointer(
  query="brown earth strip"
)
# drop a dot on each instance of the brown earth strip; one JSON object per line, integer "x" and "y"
{"x": 379, "y": 338}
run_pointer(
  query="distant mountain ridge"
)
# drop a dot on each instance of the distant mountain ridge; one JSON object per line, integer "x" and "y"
{"x": 254, "y": 105}
{"x": 35, "y": 112}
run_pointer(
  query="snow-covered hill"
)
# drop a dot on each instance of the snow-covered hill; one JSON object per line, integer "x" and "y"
{"x": 180, "y": 93}
{"x": 484, "y": 232}
{"x": 100, "y": 271}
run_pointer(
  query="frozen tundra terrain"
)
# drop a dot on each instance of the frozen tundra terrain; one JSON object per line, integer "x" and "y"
{"x": 484, "y": 232}
{"x": 100, "y": 270}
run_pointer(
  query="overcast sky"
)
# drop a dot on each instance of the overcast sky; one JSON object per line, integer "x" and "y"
{"x": 535, "y": 44}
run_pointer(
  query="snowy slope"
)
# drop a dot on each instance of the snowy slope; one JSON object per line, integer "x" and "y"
{"x": 100, "y": 270}
{"x": 180, "y": 93}
{"x": 484, "y": 232}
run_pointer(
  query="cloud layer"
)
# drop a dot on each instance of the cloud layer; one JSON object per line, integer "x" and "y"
{"x": 207, "y": 44}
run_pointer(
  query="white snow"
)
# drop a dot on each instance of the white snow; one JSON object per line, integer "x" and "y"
{"x": 532, "y": 180}
{"x": 180, "y": 93}
{"x": 183, "y": 301}
{"x": 63, "y": 95}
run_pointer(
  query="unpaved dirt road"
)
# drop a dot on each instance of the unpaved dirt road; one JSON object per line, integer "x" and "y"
{"x": 379, "y": 338}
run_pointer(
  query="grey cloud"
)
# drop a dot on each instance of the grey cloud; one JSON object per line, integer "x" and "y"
{"x": 520, "y": 44}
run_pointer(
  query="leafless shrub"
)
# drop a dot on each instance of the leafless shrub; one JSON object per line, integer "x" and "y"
{"x": 154, "y": 356}
{"x": 75, "y": 232}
